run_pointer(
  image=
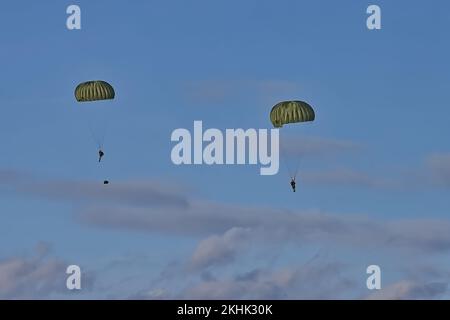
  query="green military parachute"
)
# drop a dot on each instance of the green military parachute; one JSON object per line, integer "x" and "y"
{"x": 99, "y": 92}
{"x": 93, "y": 91}
{"x": 291, "y": 112}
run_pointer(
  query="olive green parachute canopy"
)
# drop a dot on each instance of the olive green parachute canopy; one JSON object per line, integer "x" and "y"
{"x": 93, "y": 91}
{"x": 291, "y": 112}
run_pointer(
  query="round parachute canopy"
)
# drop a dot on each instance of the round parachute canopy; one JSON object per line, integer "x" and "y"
{"x": 291, "y": 112}
{"x": 93, "y": 91}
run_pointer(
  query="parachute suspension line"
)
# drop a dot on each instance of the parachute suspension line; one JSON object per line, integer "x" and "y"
{"x": 94, "y": 138}
{"x": 104, "y": 132}
{"x": 284, "y": 153}
{"x": 98, "y": 129}
{"x": 297, "y": 167}
{"x": 98, "y": 140}
{"x": 95, "y": 91}
{"x": 283, "y": 159}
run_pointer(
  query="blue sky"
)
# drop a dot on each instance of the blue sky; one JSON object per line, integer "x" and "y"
{"x": 375, "y": 166}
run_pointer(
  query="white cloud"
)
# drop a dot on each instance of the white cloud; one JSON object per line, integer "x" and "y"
{"x": 216, "y": 250}
{"x": 315, "y": 280}
{"x": 35, "y": 277}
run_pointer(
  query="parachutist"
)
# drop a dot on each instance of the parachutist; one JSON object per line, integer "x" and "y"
{"x": 293, "y": 184}
{"x": 106, "y": 182}
{"x": 100, "y": 155}
{"x": 95, "y": 91}
{"x": 294, "y": 111}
